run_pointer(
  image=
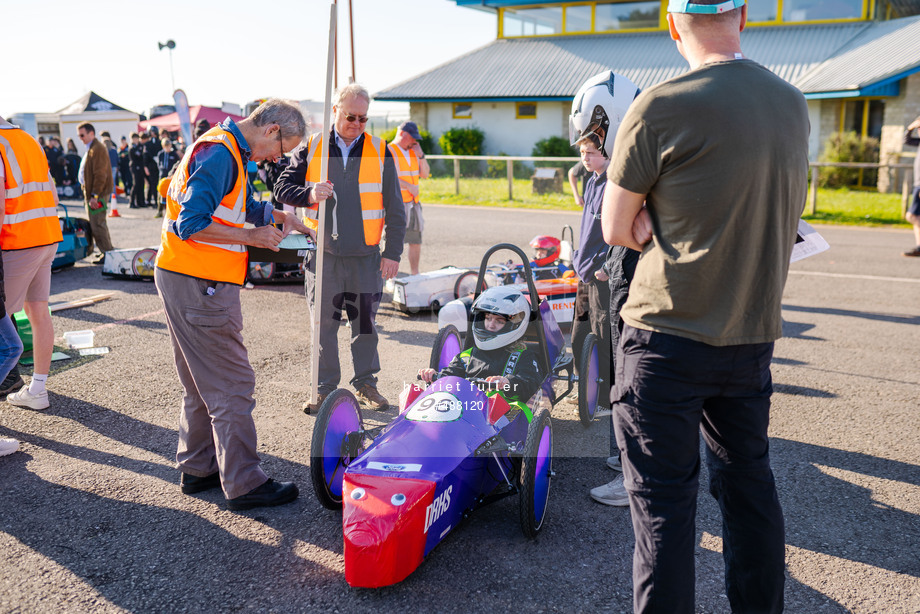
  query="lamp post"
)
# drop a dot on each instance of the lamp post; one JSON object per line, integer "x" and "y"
{"x": 170, "y": 44}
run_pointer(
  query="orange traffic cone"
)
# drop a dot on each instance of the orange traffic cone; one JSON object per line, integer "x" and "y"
{"x": 114, "y": 213}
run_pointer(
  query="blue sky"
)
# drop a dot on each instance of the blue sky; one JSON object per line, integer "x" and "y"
{"x": 54, "y": 51}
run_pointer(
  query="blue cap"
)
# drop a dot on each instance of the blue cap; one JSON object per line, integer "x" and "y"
{"x": 686, "y": 6}
{"x": 411, "y": 129}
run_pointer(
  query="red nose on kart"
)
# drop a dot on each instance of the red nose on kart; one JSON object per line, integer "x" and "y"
{"x": 383, "y": 519}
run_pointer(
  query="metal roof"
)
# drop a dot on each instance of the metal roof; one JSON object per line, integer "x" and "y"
{"x": 885, "y": 50}
{"x": 817, "y": 58}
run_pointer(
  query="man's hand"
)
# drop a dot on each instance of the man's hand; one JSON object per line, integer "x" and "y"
{"x": 264, "y": 236}
{"x": 320, "y": 192}
{"x": 499, "y": 381}
{"x": 388, "y": 268}
{"x": 642, "y": 227}
{"x": 600, "y": 275}
{"x": 94, "y": 203}
{"x": 426, "y": 375}
{"x": 291, "y": 222}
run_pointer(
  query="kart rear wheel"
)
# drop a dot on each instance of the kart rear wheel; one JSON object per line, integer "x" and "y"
{"x": 446, "y": 345}
{"x": 466, "y": 284}
{"x": 589, "y": 384}
{"x": 260, "y": 272}
{"x": 143, "y": 262}
{"x": 536, "y": 473}
{"x": 337, "y": 440}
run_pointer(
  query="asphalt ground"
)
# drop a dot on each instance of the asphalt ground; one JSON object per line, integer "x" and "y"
{"x": 92, "y": 520}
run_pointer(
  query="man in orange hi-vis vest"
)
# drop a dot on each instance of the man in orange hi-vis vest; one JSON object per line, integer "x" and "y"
{"x": 201, "y": 265}
{"x": 29, "y": 238}
{"x": 364, "y": 198}
{"x": 411, "y": 166}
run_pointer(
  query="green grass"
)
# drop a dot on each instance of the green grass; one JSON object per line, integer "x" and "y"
{"x": 848, "y": 207}
{"x": 856, "y": 208}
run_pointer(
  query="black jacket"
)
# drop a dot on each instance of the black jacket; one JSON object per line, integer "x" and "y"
{"x": 136, "y": 158}
{"x": 525, "y": 378}
{"x": 290, "y": 190}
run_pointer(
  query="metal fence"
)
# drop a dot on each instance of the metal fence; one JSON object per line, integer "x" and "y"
{"x": 814, "y": 169}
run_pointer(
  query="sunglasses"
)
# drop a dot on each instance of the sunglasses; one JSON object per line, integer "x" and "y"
{"x": 280, "y": 142}
{"x": 360, "y": 119}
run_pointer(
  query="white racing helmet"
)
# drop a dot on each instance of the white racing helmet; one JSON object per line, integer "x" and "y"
{"x": 504, "y": 302}
{"x": 599, "y": 107}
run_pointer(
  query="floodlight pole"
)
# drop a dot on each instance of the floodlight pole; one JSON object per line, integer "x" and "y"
{"x": 170, "y": 45}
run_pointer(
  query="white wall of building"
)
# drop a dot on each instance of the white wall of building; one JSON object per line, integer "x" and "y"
{"x": 504, "y": 132}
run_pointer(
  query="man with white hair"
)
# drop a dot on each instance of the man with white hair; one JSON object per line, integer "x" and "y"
{"x": 200, "y": 268}
{"x": 364, "y": 198}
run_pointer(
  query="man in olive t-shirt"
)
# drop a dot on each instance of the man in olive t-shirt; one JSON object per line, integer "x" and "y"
{"x": 718, "y": 156}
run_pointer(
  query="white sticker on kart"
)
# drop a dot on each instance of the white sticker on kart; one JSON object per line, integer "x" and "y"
{"x": 395, "y": 467}
{"x": 436, "y": 407}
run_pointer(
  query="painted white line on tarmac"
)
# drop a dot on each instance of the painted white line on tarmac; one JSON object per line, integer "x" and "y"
{"x": 910, "y": 280}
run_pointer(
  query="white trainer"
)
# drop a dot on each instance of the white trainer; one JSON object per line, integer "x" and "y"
{"x": 8, "y": 446}
{"x": 614, "y": 463}
{"x": 24, "y": 398}
{"x": 612, "y": 493}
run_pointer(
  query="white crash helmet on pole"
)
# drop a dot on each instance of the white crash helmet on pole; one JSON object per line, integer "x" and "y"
{"x": 504, "y": 302}
{"x": 599, "y": 107}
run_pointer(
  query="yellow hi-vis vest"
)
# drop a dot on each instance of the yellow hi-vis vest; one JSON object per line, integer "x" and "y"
{"x": 370, "y": 184}
{"x": 30, "y": 216}
{"x": 226, "y": 262}
{"x": 407, "y": 168}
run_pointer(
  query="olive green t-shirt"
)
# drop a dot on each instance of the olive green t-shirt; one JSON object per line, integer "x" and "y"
{"x": 722, "y": 153}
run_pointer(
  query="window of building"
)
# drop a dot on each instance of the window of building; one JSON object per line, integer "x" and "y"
{"x": 763, "y": 10}
{"x": 818, "y": 10}
{"x": 578, "y": 18}
{"x": 626, "y": 16}
{"x": 463, "y": 110}
{"x": 526, "y": 110}
{"x": 536, "y": 21}
{"x": 864, "y": 116}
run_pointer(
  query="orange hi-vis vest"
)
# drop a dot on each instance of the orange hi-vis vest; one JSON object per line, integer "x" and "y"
{"x": 226, "y": 262}
{"x": 407, "y": 168}
{"x": 30, "y": 216}
{"x": 370, "y": 185}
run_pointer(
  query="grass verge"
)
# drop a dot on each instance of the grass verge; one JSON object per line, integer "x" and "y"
{"x": 841, "y": 206}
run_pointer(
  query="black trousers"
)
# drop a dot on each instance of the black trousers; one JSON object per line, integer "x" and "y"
{"x": 668, "y": 390}
{"x": 152, "y": 179}
{"x": 137, "y": 190}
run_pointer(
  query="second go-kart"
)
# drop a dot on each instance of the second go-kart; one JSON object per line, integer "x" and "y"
{"x": 453, "y": 448}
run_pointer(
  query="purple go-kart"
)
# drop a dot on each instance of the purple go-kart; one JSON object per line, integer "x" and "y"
{"x": 454, "y": 447}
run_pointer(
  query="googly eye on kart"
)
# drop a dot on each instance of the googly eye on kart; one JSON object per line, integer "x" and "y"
{"x": 404, "y": 486}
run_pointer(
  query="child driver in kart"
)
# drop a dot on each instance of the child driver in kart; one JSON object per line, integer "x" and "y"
{"x": 500, "y": 318}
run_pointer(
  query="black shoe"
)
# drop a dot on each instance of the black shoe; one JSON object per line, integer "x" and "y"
{"x": 269, "y": 494}
{"x": 190, "y": 484}
{"x": 99, "y": 259}
{"x": 11, "y": 384}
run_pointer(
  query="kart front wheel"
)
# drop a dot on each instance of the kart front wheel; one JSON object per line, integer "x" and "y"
{"x": 446, "y": 345}
{"x": 338, "y": 438}
{"x": 536, "y": 473}
{"x": 589, "y": 380}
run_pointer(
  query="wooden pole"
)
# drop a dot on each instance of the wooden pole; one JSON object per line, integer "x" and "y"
{"x": 321, "y": 226}
{"x": 456, "y": 176}
{"x": 906, "y": 184}
{"x": 510, "y": 180}
{"x": 351, "y": 35}
{"x": 813, "y": 198}
{"x": 335, "y": 52}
